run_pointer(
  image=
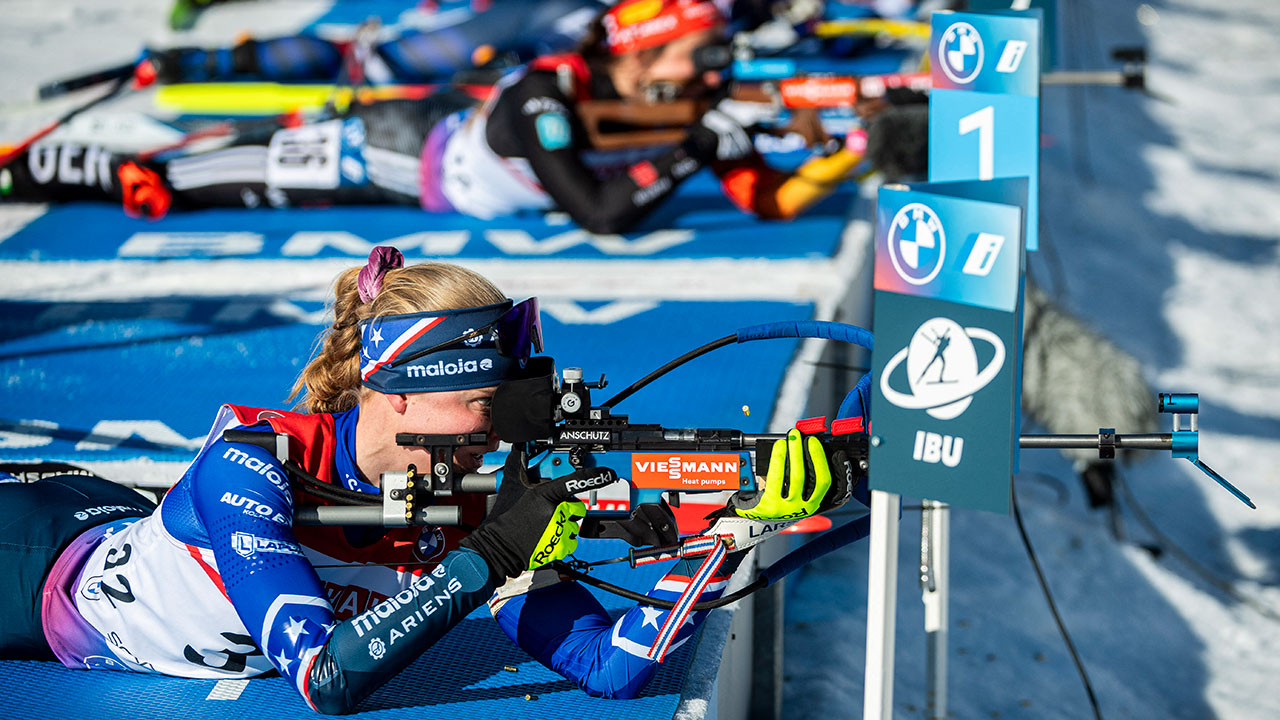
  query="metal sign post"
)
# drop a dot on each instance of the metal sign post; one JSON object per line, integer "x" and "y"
{"x": 882, "y": 599}
{"x": 949, "y": 267}
{"x": 935, "y": 590}
{"x": 948, "y": 280}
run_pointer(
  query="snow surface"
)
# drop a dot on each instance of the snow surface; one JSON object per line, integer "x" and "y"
{"x": 1162, "y": 219}
{"x": 1163, "y": 230}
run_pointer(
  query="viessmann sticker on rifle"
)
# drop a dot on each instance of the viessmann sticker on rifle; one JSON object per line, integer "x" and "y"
{"x": 696, "y": 471}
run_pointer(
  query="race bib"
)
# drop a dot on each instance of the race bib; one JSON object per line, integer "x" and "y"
{"x": 322, "y": 156}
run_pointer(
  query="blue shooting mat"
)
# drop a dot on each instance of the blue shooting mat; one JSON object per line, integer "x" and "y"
{"x": 696, "y": 222}
{"x": 474, "y": 671}
{"x": 121, "y": 380}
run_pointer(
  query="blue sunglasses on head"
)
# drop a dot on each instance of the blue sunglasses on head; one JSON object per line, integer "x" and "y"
{"x": 517, "y": 333}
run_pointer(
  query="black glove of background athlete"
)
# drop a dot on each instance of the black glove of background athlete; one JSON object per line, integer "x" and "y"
{"x": 722, "y": 133}
{"x": 532, "y": 524}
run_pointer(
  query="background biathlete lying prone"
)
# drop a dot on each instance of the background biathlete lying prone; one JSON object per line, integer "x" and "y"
{"x": 524, "y": 148}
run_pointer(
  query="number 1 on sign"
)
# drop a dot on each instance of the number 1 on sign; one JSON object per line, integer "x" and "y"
{"x": 984, "y": 121}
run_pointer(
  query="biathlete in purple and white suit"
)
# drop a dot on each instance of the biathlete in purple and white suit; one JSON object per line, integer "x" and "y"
{"x": 219, "y": 582}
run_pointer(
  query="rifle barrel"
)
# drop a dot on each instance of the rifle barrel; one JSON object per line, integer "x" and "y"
{"x": 368, "y": 515}
{"x": 478, "y": 483}
{"x": 1132, "y": 441}
{"x": 1085, "y": 77}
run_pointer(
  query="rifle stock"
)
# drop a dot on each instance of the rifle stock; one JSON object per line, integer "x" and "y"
{"x": 617, "y": 124}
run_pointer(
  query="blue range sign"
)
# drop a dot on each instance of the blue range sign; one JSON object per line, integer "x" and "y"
{"x": 948, "y": 279}
{"x": 984, "y": 109}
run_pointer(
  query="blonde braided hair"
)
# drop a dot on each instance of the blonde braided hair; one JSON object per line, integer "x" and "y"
{"x": 330, "y": 382}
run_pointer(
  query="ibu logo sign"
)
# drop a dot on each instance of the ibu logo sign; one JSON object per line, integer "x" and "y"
{"x": 948, "y": 286}
{"x": 941, "y": 368}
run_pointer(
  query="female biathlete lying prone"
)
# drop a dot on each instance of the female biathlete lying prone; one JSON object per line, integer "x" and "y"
{"x": 219, "y": 582}
{"x": 525, "y": 148}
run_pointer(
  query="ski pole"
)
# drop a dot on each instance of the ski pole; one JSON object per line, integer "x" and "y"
{"x": 64, "y": 86}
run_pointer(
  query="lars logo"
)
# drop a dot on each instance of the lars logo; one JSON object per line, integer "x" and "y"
{"x": 941, "y": 368}
{"x": 917, "y": 243}
{"x": 960, "y": 53}
{"x": 247, "y": 545}
{"x": 765, "y": 529}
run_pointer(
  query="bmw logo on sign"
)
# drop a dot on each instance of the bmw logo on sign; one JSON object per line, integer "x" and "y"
{"x": 960, "y": 53}
{"x": 917, "y": 243}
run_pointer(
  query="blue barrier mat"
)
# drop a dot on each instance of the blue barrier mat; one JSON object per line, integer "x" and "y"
{"x": 462, "y": 676}
{"x": 156, "y": 371}
{"x": 697, "y": 222}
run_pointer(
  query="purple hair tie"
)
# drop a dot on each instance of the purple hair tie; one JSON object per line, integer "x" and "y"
{"x": 382, "y": 259}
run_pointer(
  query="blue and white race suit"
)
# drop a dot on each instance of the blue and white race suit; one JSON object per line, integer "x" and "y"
{"x": 219, "y": 583}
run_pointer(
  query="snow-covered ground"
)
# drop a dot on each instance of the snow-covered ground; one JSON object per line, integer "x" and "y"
{"x": 1163, "y": 222}
{"x": 1163, "y": 230}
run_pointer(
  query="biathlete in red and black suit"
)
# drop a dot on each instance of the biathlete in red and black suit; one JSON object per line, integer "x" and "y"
{"x": 522, "y": 149}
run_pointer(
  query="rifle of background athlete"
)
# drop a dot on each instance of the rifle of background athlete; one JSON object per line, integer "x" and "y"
{"x": 798, "y": 97}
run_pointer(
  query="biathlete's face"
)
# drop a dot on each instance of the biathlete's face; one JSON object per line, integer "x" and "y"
{"x": 449, "y": 412}
{"x": 673, "y": 65}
